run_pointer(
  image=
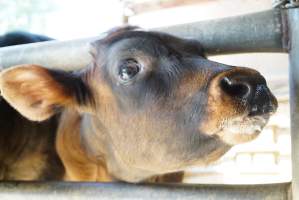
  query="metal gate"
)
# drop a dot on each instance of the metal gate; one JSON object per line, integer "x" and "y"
{"x": 276, "y": 30}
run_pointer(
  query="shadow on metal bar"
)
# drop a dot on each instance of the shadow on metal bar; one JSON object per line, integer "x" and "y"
{"x": 67, "y": 190}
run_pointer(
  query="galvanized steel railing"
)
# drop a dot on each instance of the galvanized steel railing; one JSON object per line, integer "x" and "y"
{"x": 275, "y": 30}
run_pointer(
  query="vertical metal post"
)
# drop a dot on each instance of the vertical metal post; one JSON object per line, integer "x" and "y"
{"x": 293, "y": 23}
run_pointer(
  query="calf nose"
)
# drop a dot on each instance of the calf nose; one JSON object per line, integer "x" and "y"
{"x": 249, "y": 87}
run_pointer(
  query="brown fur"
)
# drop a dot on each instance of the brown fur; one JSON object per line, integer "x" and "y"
{"x": 27, "y": 150}
{"x": 79, "y": 167}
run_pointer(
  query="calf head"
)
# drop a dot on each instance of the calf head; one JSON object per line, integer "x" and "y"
{"x": 156, "y": 103}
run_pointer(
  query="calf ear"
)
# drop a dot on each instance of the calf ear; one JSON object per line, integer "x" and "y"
{"x": 37, "y": 92}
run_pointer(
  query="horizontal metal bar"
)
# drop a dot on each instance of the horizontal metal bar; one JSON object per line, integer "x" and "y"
{"x": 66, "y": 55}
{"x": 64, "y": 190}
{"x": 258, "y": 32}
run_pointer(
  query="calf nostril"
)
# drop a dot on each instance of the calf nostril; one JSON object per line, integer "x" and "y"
{"x": 235, "y": 88}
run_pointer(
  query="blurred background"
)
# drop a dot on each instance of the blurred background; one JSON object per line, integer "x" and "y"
{"x": 265, "y": 160}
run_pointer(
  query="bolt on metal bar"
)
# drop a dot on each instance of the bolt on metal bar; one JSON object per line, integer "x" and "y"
{"x": 258, "y": 32}
{"x": 67, "y": 190}
{"x": 293, "y": 19}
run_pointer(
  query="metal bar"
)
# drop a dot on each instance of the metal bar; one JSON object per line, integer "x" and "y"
{"x": 66, "y": 55}
{"x": 64, "y": 190}
{"x": 258, "y": 32}
{"x": 293, "y": 19}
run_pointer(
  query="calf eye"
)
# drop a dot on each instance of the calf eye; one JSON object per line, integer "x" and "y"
{"x": 128, "y": 69}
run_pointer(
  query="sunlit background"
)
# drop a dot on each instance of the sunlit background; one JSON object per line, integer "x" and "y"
{"x": 265, "y": 160}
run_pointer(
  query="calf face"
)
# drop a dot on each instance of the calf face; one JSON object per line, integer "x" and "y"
{"x": 148, "y": 104}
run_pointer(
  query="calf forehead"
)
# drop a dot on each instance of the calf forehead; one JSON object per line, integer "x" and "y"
{"x": 139, "y": 45}
{"x": 155, "y": 42}
{"x": 158, "y": 49}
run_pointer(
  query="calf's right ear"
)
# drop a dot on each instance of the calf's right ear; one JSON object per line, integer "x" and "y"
{"x": 37, "y": 92}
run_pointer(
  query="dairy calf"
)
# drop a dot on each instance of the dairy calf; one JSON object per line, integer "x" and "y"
{"x": 148, "y": 106}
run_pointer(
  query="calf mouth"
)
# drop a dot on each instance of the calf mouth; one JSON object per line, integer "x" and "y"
{"x": 242, "y": 129}
{"x": 246, "y": 125}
